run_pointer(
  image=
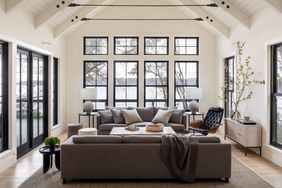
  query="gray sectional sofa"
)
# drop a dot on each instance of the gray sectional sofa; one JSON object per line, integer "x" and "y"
{"x": 105, "y": 122}
{"x": 136, "y": 157}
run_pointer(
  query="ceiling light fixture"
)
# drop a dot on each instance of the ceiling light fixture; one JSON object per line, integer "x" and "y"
{"x": 142, "y": 19}
{"x": 144, "y": 5}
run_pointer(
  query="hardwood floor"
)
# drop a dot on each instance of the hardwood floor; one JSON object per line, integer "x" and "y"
{"x": 26, "y": 166}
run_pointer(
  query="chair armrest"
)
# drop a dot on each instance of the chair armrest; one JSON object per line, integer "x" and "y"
{"x": 203, "y": 131}
{"x": 196, "y": 123}
{"x": 214, "y": 129}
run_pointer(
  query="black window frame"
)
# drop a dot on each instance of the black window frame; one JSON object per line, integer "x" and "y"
{"x": 95, "y": 37}
{"x": 158, "y": 37}
{"x": 5, "y": 93}
{"x": 185, "y": 85}
{"x": 137, "y": 86}
{"x": 97, "y": 86}
{"x": 167, "y": 86}
{"x": 274, "y": 94}
{"x": 126, "y": 37}
{"x": 228, "y": 93}
{"x": 55, "y": 73}
{"x": 197, "y": 47}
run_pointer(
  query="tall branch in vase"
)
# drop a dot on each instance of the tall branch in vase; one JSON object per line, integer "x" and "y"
{"x": 244, "y": 78}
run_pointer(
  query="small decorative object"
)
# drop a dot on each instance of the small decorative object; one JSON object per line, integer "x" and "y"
{"x": 247, "y": 118}
{"x": 88, "y": 94}
{"x": 243, "y": 80}
{"x": 155, "y": 127}
{"x": 132, "y": 127}
{"x": 51, "y": 142}
{"x": 194, "y": 93}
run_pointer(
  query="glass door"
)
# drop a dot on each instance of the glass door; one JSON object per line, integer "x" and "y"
{"x": 229, "y": 77}
{"x": 31, "y": 89}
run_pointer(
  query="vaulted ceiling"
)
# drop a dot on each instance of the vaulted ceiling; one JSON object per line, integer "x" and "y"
{"x": 60, "y": 18}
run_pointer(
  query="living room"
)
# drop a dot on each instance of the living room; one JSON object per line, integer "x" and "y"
{"x": 61, "y": 48}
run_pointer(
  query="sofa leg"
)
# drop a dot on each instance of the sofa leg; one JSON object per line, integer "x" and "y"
{"x": 64, "y": 181}
{"x": 226, "y": 180}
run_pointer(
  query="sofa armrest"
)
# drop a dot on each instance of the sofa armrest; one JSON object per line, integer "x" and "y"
{"x": 98, "y": 121}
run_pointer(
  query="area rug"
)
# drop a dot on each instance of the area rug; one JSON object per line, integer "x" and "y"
{"x": 241, "y": 176}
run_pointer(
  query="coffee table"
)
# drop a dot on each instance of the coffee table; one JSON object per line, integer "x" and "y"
{"x": 142, "y": 131}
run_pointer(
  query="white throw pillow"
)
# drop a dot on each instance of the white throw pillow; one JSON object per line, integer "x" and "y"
{"x": 131, "y": 116}
{"x": 162, "y": 116}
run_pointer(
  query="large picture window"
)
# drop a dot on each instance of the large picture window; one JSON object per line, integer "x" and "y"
{"x": 156, "y": 83}
{"x": 229, "y": 94}
{"x": 186, "y": 46}
{"x": 126, "y": 84}
{"x": 156, "y": 46}
{"x": 186, "y": 76}
{"x": 276, "y": 96}
{"x": 126, "y": 45}
{"x": 95, "y": 45}
{"x": 3, "y": 96}
{"x": 96, "y": 76}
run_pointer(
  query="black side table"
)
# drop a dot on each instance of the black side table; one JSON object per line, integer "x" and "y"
{"x": 193, "y": 115}
{"x": 48, "y": 157}
{"x": 92, "y": 114}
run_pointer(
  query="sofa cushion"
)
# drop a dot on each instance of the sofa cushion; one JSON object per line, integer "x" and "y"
{"x": 176, "y": 117}
{"x": 208, "y": 139}
{"x": 146, "y": 113}
{"x": 96, "y": 139}
{"x": 117, "y": 116}
{"x": 109, "y": 126}
{"x": 141, "y": 124}
{"x": 156, "y": 109}
{"x": 176, "y": 127}
{"x": 141, "y": 139}
{"x": 106, "y": 116}
{"x": 162, "y": 116}
{"x": 118, "y": 108}
{"x": 131, "y": 116}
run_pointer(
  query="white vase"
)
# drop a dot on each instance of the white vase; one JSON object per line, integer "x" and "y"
{"x": 88, "y": 107}
{"x": 194, "y": 107}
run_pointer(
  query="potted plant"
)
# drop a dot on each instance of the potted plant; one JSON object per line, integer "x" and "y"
{"x": 51, "y": 142}
{"x": 243, "y": 79}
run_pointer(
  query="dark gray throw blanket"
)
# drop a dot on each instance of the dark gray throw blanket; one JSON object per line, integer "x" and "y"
{"x": 179, "y": 153}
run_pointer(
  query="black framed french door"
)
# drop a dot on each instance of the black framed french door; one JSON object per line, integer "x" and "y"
{"x": 229, "y": 93}
{"x": 32, "y": 100}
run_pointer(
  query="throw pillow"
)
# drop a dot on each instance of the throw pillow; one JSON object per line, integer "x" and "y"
{"x": 106, "y": 116}
{"x": 131, "y": 116}
{"x": 162, "y": 116}
{"x": 177, "y": 116}
{"x": 146, "y": 113}
{"x": 118, "y": 117}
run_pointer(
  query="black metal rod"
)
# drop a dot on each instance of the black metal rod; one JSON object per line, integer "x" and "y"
{"x": 141, "y": 19}
{"x": 144, "y": 5}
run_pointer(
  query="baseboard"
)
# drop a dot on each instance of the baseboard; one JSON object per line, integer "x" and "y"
{"x": 272, "y": 154}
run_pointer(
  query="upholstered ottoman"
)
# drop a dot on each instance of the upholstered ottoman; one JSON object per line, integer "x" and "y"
{"x": 73, "y": 129}
{"x": 87, "y": 131}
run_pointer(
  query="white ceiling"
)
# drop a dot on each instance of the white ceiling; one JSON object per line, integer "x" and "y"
{"x": 249, "y": 7}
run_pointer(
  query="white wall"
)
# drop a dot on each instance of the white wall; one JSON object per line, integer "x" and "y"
{"x": 17, "y": 28}
{"x": 75, "y": 57}
{"x": 265, "y": 30}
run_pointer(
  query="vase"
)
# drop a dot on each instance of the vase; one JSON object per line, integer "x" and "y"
{"x": 236, "y": 115}
{"x": 52, "y": 147}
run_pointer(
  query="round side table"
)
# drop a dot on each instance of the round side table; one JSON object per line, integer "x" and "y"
{"x": 48, "y": 157}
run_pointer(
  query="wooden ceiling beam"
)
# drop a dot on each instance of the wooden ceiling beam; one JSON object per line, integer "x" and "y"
{"x": 275, "y": 4}
{"x": 11, "y": 4}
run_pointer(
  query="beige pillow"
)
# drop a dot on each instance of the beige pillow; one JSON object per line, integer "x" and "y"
{"x": 162, "y": 116}
{"x": 131, "y": 116}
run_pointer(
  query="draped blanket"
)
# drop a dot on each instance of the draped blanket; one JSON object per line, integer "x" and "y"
{"x": 179, "y": 154}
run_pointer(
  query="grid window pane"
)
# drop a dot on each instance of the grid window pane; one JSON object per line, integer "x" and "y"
{"x": 95, "y": 45}
{"x": 156, "y": 83}
{"x": 186, "y": 46}
{"x": 156, "y": 46}
{"x": 126, "y": 83}
{"x": 96, "y": 76}
{"x": 186, "y": 76}
{"x": 126, "y": 45}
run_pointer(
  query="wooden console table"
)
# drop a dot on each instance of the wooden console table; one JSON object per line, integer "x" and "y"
{"x": 249, "y": 136}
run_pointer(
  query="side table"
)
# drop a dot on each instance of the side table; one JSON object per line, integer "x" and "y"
{"x": 92, "y": 114}
{"x": 48, "y": 157}
{"x": 193, "y": 115}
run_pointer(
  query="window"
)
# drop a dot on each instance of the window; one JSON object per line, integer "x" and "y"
{"x": 55, "y": 90}
{"x": 3, "y": 96}
{"x": 156, "y": 46}
{"x": 126, "y": 84}
{"x": 156, "y": 83}
{"x": 229, "y": 90}
{"x": 186, "y": 76}
{"x": 276, "y": 96}
{"x": 95, "y": 45}
{"x": 126, "y": 45}
{"x": 96, "y": 75}
{"x": 186, "y": 46}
